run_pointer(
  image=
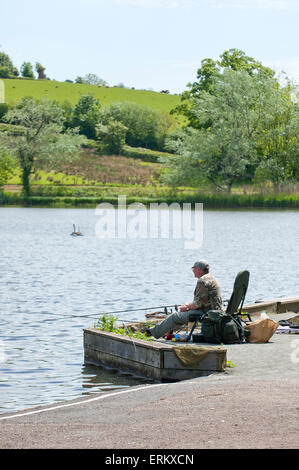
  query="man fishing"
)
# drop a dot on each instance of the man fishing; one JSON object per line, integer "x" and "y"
{"x": 207, "y": 296}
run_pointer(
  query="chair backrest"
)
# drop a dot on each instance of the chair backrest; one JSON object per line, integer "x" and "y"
{"x": 239, "y": 291}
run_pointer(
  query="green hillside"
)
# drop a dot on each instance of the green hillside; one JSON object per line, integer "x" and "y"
{"x": 61, "y": 91}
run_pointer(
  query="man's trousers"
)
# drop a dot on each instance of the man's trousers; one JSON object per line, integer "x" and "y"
{"x": 174, "y": 321}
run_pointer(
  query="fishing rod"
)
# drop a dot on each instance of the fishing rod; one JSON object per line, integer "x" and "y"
{"x": 118, "y": 311}
{"x": 144, "y": 308}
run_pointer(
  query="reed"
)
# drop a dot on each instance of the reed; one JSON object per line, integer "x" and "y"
{"x": 209, "y": 201}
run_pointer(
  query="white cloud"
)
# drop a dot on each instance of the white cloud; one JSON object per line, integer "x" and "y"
{"x": 150, "y": 3}
{"x": 139, "y": 3}
{"x": 255, "y": 4}
{"x": 239, "y": 4}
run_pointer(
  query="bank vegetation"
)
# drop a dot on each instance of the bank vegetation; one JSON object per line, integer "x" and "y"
{"x": 231, "y": 142}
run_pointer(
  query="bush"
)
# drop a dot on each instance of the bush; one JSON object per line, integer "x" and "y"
{"x": 112, "y": 136}
{"x": 146, "y": 155}
{"x": 109, "y": 324}
{"x": 146, "y": 126}
{"x": 4, "y": 72}
{"x": 86, "y": 115}
{"x": 66, "y": 197}
{"x": 7, "y": 165}
{"x": 3, "y": 110}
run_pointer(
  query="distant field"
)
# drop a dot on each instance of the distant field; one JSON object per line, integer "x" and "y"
{"x": 61, "y": 91}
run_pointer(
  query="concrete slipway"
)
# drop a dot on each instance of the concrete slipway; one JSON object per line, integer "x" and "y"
{"x": 164, "y": 360}
{"x": 252, "y": 405}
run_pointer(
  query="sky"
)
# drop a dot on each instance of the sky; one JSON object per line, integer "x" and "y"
{"x": 147, "y": 44}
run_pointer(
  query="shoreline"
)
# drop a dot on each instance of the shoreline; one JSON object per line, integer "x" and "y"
{"x": 221, "y": 409}
{"x": 260, "y": 380}
{"x": 287, "y": 202}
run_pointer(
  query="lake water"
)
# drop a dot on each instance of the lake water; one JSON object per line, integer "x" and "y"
{"x": 53, "y": 285}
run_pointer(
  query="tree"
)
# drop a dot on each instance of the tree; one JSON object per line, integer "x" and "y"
{"x": 39, "y": 142}
{"x": 4, "y": 72}
{"x": 93, "y": 79}
{"x": 7, "y": 165}
{"x": 26, "y": 70}
{"x": 86, "y": 115}
{"x": 146, "y": 126}
{"x": 3, "y": 110}
{"x": 7, "y": 68}
{"x": 278, "y": 141}
{"x": 79, "y": 80}
{"x": 40, "y": 69}
{"x": 235, "y": 59}
{"x": 112, "y": 136}
{"x": 68, "y": 113}
{"x": 209, "y": 72}
{"x": 236, "y": 128}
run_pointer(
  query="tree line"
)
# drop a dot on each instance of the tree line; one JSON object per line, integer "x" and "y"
{"x": 43, "y": 133}
{"x": 9, "y": 70}
{"x": 240, "y": 125}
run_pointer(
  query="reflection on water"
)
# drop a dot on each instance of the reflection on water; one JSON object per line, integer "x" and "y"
{"x": 50, "y": 281}
{"x": 101, "y": 379}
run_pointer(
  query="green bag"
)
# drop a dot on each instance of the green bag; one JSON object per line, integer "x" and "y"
{"x": 220, "y": 327}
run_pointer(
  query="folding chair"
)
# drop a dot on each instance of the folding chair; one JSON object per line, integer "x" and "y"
{"x": 235, "y": 303}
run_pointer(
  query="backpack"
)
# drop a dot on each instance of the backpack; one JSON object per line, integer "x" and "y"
{"x": 220, "y": 327}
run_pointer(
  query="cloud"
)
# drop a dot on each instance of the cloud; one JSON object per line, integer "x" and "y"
{"x": 150, "y": 3}
{"x": 140, "y": 3}
{"x": 254, "y": 4}
{"x": 239, "y": 4}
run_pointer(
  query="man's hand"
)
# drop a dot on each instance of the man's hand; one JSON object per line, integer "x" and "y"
{"x": 189, "y": 306}
{"x": 184, "y": 308}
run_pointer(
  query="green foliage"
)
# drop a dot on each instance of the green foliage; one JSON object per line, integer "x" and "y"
{"x": 248, "y": 122}
{"x": 79, "y": 80}
{"x": 40, "y": 69}
{"x": 4, "y": 72}
{"x": 40, "y": 141}
{"x": 230, "y": 364}
{"x": 146, "y": 127}
{"x": 3, "y": 110}
{"x": 91, "y": 79}
{"x": 278, "y": 140}
{"x": 144, "y": 154}
{"x": 7, "y": 165}
{"x": 209, "y": 72}
{"x": 27, "y": 70}
{"x": 7, "y": 69}
{"x": 235, "y": 59}
{"x": 86, "y": 115}
{"x": 68, "y": 113}
{"x": 112, "y": 136}
{"x": 5, "y": 61}
{"x": 210, "y": 201}
{"x": 108, "y": 323}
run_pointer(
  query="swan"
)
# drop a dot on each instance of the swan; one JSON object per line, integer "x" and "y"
{"x": 76, "y": 233}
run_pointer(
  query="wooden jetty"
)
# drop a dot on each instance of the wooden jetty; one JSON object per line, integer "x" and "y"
{"x": 286, "y": 304}
{"x": 166, "y": 361}
{"x": 155, "y": 359}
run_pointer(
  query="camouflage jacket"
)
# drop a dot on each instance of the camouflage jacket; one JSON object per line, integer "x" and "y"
{"x": 207, "y": 294}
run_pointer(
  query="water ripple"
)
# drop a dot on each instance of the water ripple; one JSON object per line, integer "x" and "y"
{"x": 49, "y": 281}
